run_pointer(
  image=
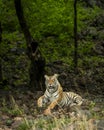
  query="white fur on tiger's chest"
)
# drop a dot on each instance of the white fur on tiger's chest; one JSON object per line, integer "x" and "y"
{"x": 53, "y": 96}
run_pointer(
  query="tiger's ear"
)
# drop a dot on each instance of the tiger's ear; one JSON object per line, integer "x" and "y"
{"x": 46, "y": 77}
{"x": 56, "y": 75}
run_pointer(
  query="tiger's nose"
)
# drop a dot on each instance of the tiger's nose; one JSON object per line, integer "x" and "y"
{"x": 50, "y": 85}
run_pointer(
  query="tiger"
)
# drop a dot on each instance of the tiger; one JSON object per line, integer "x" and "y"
{"x": 54, "y": 95}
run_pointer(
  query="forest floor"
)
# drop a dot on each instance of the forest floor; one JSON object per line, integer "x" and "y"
{"x": 18, "y": 111}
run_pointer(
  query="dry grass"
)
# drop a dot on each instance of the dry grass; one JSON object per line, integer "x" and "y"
{"x": 75, "y": 119}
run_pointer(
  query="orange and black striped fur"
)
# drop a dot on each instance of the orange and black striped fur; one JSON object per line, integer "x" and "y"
{"x": 55, "y": 96}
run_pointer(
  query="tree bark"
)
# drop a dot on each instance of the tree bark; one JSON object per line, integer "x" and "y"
{"x": 75, "y": 37}
{"x": 1, "y": 75}
{"x": 37, "y": 61}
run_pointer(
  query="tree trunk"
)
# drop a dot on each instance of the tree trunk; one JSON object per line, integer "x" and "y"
{"x": 1, "y": 76}
{"x": 37, "y": 61}
{"x": 75, "y": 37}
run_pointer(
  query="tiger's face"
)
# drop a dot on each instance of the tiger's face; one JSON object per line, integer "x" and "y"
{"x": 51, "y": 83}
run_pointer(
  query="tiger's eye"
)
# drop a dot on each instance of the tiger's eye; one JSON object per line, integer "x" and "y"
{"x": 53, "y": 80}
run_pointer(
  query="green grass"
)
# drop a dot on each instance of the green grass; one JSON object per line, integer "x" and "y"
{"x": 59, "y": 120}
{"x": 13, "y": 109}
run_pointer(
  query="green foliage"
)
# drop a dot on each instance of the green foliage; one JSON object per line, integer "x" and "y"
{"x": 26, "y": 125}
{"x": 7, "y": 16}
{"x": 85, "y": 15}
{"x": 44, "y": 123}
{"x": 51, "y": 24}
{"x": 85, "y": 48}
{"x": 9, "y": 122}
{"x": 12, "y": 110}
{"x": 51, "y": 123}
{"x": 50, "y": 17}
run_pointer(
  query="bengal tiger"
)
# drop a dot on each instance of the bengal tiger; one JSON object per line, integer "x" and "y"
{"x": 54, "y": 95}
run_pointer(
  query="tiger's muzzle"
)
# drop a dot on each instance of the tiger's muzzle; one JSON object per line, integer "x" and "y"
{"x": 51, "y": 88}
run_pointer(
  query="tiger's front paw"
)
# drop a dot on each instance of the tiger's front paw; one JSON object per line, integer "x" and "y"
{"x": 39, "y": 102}
{"x": 47, "y": 112}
